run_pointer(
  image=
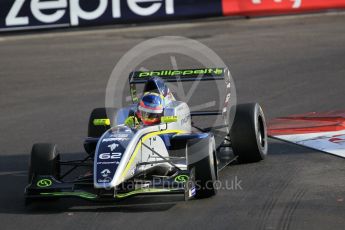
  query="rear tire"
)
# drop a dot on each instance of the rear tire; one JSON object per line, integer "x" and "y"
{"x": 205, "y": 169}
{"x": 44, "y": 161}
{"x": 248, "y": 133}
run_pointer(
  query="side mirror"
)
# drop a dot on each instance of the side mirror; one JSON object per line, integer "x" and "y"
{"x": 168, "y": 119}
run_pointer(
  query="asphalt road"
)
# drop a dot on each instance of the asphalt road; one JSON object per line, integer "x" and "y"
{"x": 49, "y": 82}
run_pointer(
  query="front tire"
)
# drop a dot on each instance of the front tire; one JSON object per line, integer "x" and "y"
{"x": 248, "y": 133}
{"x": 44, "y": 161}
{"x": 202, "y": 154}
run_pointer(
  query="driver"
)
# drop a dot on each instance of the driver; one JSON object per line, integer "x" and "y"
{"x": 149, "y": 112}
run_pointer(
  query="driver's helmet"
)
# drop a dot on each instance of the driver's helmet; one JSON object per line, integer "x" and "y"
{"x": 151, "y": 108}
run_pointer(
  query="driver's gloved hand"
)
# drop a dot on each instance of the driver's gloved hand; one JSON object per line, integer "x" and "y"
{"x": 132, "y": 121}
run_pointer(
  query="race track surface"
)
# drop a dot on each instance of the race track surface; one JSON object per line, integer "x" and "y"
{"x": 51, "y": 81}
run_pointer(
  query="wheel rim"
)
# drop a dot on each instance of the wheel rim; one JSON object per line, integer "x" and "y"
{"x": 261, "y": 133}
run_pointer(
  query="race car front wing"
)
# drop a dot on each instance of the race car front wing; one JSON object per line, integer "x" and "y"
{"x": 50, "y": 187}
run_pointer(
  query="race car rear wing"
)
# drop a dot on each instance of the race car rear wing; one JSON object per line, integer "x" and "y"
{"x": 206, "y": 74}
{"x": 184, "y": 75}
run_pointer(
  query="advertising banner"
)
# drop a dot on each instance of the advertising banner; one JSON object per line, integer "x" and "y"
{"x": 40, "y": 14}
{"x": 37, "y": 14}
{"x": 268, "y": 7}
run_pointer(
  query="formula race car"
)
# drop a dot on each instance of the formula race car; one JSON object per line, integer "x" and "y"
{"x": 172, "y": 157}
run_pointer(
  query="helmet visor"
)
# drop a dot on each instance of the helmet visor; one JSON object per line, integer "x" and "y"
{"x": 150, "y": 116}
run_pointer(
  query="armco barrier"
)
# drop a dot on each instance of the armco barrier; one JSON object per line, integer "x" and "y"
{"x": 269, "y": 7}
{"x": 37, "y": 14}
